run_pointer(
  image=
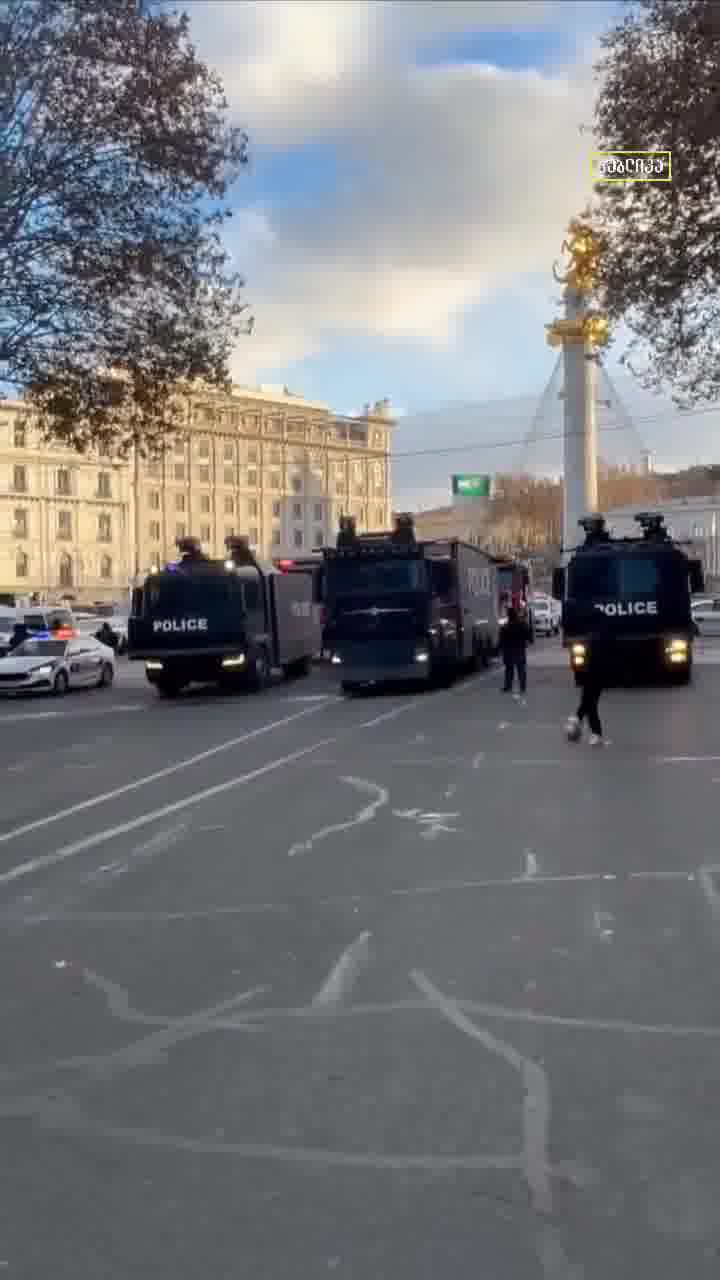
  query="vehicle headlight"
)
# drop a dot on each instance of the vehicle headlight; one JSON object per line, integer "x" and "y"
{"x": 578, "y": 650}
{"x": 421, "y": 655}
{"x": 336, "y": 659}
{"x": 154, "y": 666}
{"x": 237, "y": 661}
{"x": 43, "y": 671}
{"x": 678, "y": 646}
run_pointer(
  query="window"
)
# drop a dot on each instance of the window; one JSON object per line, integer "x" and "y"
{"x": 179, "y": 530}
{"x": 297, "y": 511}
{"x": 104, "y": 486}
{"x": 229, "y": 505}
{"x": 154, "y": 530}
{"x": 339, "y": 486}
{"x": 204, "y": 448}
{"x": 105, "y": 567}
{"x": 22, "y": 564}
{"x": 179, "y": 470}
{"x": 179, "y": 501}
{"x": 19, "y": 436}
{"x": 204, "y": 532}
{"x": 276, "y": 537}
{"x": 228, "y": 475}
{"x": 252, "y": 479}
{"x": 252, "y": 507}
{"x": 318, "y": 511}
{"x": 62, "y": 481}
{"x": 20, "y": 479}
{"x": 104, "y": 528}
{"x": 276, "y": 510}
{"x": 297, "y": 484}
{"x": 204, "y": 475}
{"x": 275, "y": 456}
{"x": 298, "y": 538}
{"x": 252, "y": 454}
{"x": 253, "y": 536}
{"x": 154, "y": 470}
{"x": 179, "y": 448}
{"x": 205, "y": 503}
{"x": 228, "y": 451}
{"x": 154, "y": 501}
{"x": 380, "y": 516}
{"x": 319, "y": 538}
{"x": 274, "y": 479}
{"x": 66, "y": 570}
{"x": 229, "y": 531}
{"x": 20, "y": 523}
{"x": 64, "y": 524}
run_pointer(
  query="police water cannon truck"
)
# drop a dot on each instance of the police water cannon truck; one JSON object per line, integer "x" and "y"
{"x": 638, "y": 589}
{"x": 402, "y": 610}
{"x": 228, "y": 622}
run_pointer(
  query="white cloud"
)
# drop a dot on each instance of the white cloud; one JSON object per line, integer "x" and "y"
{"x": 463, "y": 177}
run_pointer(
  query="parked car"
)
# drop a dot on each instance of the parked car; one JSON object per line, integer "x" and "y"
{"x": 706, "y": 615}
{"x": 44, "y": 664}
{"x": 546, "y": 620}
{"x": 8, "y": 618}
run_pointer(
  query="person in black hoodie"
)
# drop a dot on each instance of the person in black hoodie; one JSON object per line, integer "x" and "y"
{"x": 595, "y": 678}
{"x": 515, "y": 636}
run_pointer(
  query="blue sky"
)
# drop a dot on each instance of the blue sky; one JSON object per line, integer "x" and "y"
{"x": 413, "y": 169}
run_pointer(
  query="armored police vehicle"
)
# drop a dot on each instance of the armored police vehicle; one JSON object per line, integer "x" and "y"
{"x": 399, "y": 609}
{"x": 229, "y": 622}
{"x": 641, "y": 588}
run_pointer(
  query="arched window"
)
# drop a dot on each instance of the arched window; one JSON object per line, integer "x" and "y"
{"x": 66, "y": 571}
{"x": 106, "y": 567}
{"x": 22, "y": 564}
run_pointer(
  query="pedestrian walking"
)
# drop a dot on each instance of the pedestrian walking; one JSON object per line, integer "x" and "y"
{"x": 594, "y": 679}
{"x": 515, "y": 636}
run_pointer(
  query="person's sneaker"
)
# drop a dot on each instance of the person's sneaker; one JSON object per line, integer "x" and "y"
{"x": 573, "y": 729}
{"x": 596, "y": 740}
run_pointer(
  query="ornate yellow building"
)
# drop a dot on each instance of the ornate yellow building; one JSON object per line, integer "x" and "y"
{"x": 261, "y": 462}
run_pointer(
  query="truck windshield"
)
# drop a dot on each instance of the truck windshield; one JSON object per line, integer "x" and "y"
{"x": 181, "y": 593}
{"x": 375, "y": 577}
{"x": 622, "y": 577}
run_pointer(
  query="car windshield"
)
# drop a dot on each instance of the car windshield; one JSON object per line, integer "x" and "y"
{"x": 375, "y": 577}
{"x": 622, "y": 577}
{"x": 40, "y": 649}
{"x": 181, "y": 593}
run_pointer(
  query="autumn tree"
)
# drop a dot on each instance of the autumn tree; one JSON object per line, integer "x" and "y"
{"x": 115, "y": 161}
{"x": 659, "y": 89}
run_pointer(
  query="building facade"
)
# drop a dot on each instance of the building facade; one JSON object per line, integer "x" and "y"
{"x": 693, "y": 521}
{"x": 261, "y": 462}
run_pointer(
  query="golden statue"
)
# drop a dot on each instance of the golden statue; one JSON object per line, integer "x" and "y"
{"x": 589, "y": 326}
{"x": 583, "y": 246}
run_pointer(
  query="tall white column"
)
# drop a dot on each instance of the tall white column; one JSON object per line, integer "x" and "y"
{"x": 580, "y": 491}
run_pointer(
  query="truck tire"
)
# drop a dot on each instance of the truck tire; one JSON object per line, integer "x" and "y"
{"x": 293, "y": 670}
{"x": 168, "y": 688}
{"x": 259, "y": 674}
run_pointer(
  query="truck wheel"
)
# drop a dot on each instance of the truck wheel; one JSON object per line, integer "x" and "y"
{"x": 259, "y": 673}
{"x": 578, "y": 679}
{"x": 168, "y": 688}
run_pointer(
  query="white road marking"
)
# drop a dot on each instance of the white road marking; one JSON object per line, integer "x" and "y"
{"x": 345, "y": 973}
{"x": 684, "y": 759}
{"x": 365, "y": 815}
{"x": 160, "y": 842}
{"x": 68, "y": 715}
{"x": 311, "y": 697}
{"x": 145, "y": 781}
{"x": 145, "y": 819}
{"x": 536, "y": 1114}
{"x": 603, "y": 925}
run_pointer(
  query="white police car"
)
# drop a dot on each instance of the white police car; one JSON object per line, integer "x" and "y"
{"x": 47, "y": 663}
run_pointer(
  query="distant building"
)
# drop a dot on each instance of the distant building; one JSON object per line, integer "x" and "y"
{"x": 259, "y": 462}
{"x": 695, "y": 521}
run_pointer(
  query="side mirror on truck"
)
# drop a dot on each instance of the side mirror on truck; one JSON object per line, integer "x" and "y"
{"x": 697, "y": 577}
{"x": 558, "y": 584}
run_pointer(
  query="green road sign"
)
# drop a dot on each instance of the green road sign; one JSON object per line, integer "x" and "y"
{"x": 471, "y": 486}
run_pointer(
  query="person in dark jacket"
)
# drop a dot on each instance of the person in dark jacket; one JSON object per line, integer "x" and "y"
{"x": 515, "y": 636}
{"x": 107, "y": 636}
{"x": 19, "y": 635}
{"x": 595, "y": 678}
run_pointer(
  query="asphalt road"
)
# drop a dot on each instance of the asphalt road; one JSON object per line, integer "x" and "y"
{"x": 397, "y": 988}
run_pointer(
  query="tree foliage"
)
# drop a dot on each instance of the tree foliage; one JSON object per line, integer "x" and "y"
{"x": 659, "y": 89}
{"x": 115, "y": 158}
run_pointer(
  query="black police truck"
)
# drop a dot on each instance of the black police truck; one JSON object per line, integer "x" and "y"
{"x": 639, "y": 589}
{"x": 399, "y": 609}
{"x": 227, "y": 622}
